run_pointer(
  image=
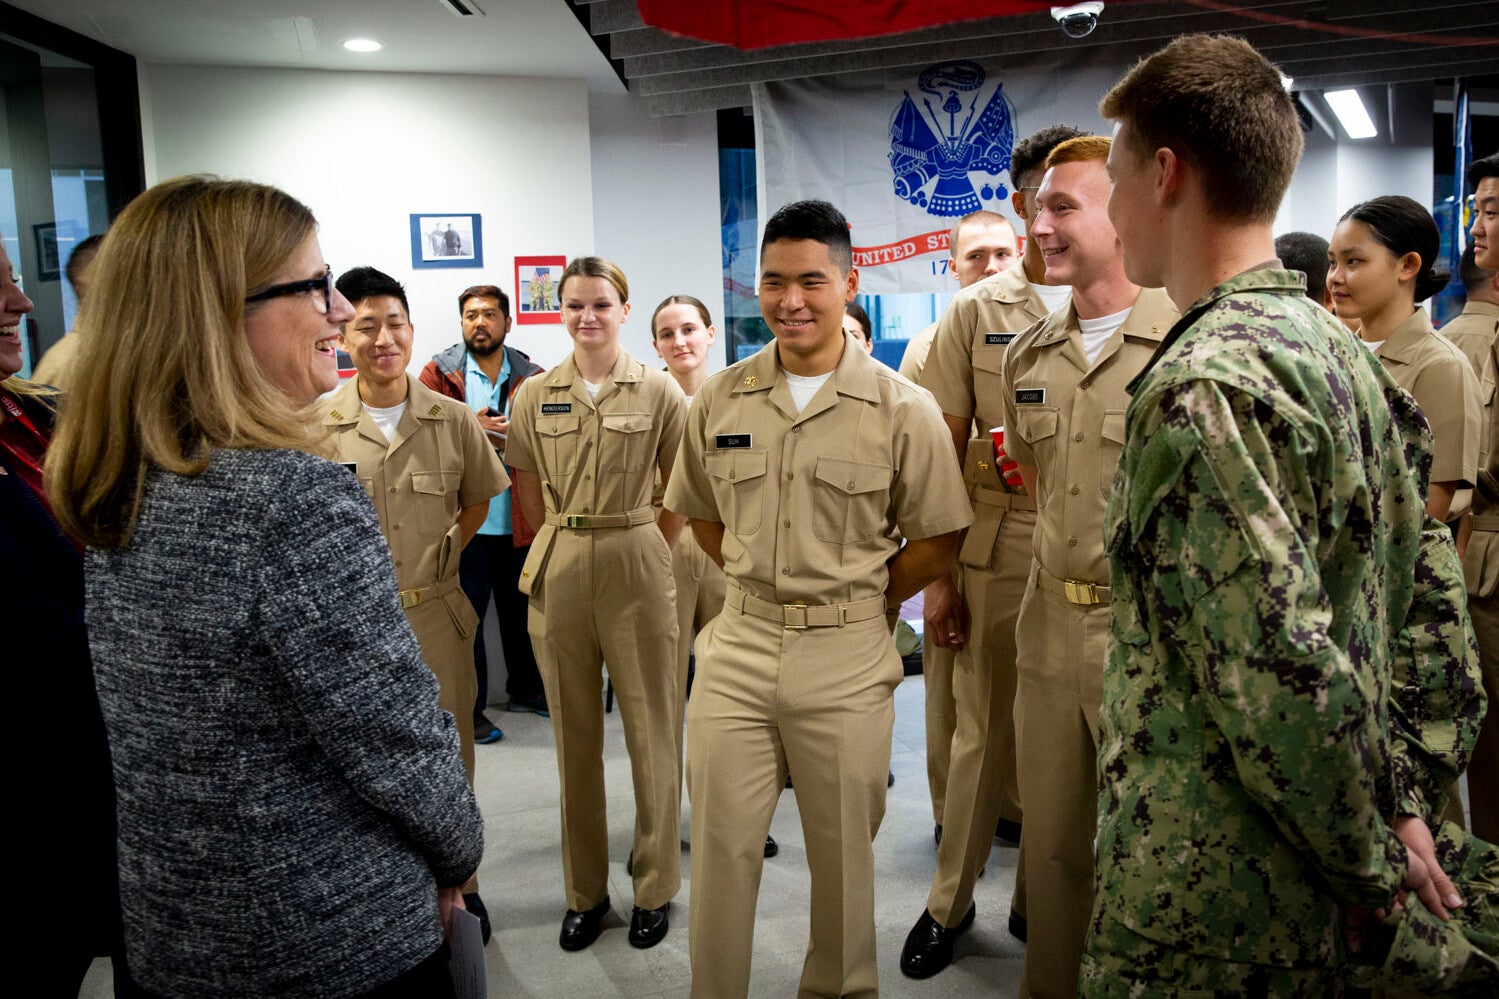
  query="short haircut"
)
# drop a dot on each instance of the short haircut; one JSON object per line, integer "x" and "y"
{"x": 1305, "y": 252}
{"x": 1402, "y": 226}
{"x": 1479, "y": 169}
{"x": 980, "y": 217}
{"x": 1473, "y": 277}
{"x": 688, "y": 300}
{"x": 861, "y": 317}
{"x": 1029, "y": 156}
{"x": 359, "y": 283}
{"x": 1221, "y": 106}
{"x": 484, "y": 291}
{"x": 1083, "y": 149}
{"x": 80, "y": 258}
{"x": 597, "y": 267}
{"x": 816, "y": 220}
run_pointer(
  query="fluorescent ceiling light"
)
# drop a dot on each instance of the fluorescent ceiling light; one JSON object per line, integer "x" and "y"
{"x": 1286, "y": 81}
{"x": 363, "y": 45}
{"x": 1350, "y": 111}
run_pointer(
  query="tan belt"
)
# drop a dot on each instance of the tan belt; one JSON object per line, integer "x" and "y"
{"x": 1489, "y": 522}
{"x": 989, "y": 496}
{"x": 419, "y": 595}
{"x": 594, "y": 521}
{"x": 798, "y": 617}
{"x": 1074, "y": 590}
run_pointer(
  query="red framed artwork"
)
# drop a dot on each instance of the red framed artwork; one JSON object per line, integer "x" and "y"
{"x": 536, "y": 290}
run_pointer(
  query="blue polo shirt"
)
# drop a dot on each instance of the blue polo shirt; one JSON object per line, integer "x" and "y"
{"x": 483, "y": 394}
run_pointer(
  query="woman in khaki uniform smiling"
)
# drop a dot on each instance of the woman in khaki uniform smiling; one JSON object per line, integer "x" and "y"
{"x": 586, "y": 441}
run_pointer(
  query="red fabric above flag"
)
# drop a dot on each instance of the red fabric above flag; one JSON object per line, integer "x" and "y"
{"x": 753, "y": 24}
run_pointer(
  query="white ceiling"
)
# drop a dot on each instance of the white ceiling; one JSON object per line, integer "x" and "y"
{"x": 514, "y": 38}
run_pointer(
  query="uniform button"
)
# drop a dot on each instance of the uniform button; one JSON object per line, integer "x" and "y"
{"x": 731, "y": 475}
{"x": 1072, "y": 542}
{"x": 1073, "y": 490}
{"x": 785, "y": 570}
{"x": 850, "y": 485}
{"x": 588, "y": 443}
{"x": 391, "y": 489}
{"x": 785, "y": 523}
{"x": 587, "y": 478}
{"x": 790, "y": 476}
{"x": 395, "y": 527}
{"x": 796, "y": 429}
{"x": 398, "y": 561}
{"x": 1085, "y": 383}
{"x": 1078, "y": 438}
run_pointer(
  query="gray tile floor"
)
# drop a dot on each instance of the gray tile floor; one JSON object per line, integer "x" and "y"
{"x": 521, "y": 880}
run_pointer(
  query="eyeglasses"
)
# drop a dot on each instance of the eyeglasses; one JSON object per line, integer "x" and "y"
{"x": 323, "y": 283}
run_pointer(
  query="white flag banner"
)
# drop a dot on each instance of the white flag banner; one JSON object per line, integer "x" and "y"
{"x": 905, "y": 153}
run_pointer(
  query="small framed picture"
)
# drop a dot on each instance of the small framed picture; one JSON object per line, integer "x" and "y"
{"x": 536, "y": 290}
{"x": 446, "y": 239}
{"x": 48, "y": 260}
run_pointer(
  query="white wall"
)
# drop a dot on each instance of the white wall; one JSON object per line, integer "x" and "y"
{"x": 365, "y": 150}
{"x": 656, "y": 210}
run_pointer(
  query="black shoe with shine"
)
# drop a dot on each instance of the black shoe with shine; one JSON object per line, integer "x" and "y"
{"x": 771, "y": 847}
{"x": 648, "y": 926}
{"x": 473, "y": 903}
{"x": 929, "y": 947}
{"x": 937, "y": 834}
{"x": 630, "y": 863}
{"x": 1008, "y": 833}
{"x": 1017, "y": 926}
{"x": 890, "y": 778}
{"x": 579, "y": 929}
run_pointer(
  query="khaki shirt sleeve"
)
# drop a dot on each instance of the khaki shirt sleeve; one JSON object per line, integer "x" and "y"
{"x": 688, "y": 492}
{"x": 948, "y": 374}
{"x": 673, "y": 418}
{"x": 927, "y": 497}
{"x": 1456, "y": 421}
{"x": 520, "y": 448}
{"x": 484, "y": 475}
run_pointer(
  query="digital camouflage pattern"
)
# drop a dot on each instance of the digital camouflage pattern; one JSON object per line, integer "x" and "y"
{"x": 1290, "y": 664}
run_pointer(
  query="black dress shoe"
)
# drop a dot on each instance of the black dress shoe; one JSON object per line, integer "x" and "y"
{"x": 890, "y": 778}
{"x": 1007, "y": 832}
{"x": 648, "y": 926}
{"x": 1017, "y": 926}
{"x": 929, "y": 947}
{"x": 473, "y": 903}
{"x": 579, "y": 929}
{"x": 630, "y": 863}
{"x": 771, "y": 847}
{"x": 937, "y": 834}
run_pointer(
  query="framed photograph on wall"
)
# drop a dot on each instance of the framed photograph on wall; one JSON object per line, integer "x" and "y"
{"x": 48, "y": 260}
{"x": 536, "y": 290}
{"x": 446, "y": 239}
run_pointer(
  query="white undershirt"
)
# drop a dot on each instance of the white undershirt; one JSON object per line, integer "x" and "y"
{"x": 1373, "y": 345}
{"x": 1054, "y": 296}
{"x": 593, "y": 388}
{"x": 386, "y": 419}
{"x": 804, "y": 387}
{"x": 1096, "y": 332}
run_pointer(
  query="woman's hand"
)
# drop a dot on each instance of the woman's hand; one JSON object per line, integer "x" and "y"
{"x": 449, "y": 899}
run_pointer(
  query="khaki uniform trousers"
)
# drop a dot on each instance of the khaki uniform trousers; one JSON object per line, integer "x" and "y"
{"x": 600, "y": 601}
{"x": 817, "y": 700}
{"x": 941, "y": 720}
{"x": 1483, "y": 768}
{"x": 982, "y": 785}
{"x": 700, "y": 589}
{"x": 1061, "y": 649}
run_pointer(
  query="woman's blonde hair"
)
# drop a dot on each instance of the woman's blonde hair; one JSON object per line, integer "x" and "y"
{"x": 164, "y": 372}
{"x": 16, "y": 385}
{"x": 596, "y": 267}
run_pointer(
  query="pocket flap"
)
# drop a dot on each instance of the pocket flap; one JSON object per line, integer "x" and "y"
{"x": 735, "y": 466}
{"x": 853, "y": 477}
{"x": 1036, "y": 424}
{"x": 990, "y": 359}
{"x": 1113, "y": 426}
{"x": 430, "y": 483}
{"x": 628, "y": 423}
{"x": 556, "y": 426}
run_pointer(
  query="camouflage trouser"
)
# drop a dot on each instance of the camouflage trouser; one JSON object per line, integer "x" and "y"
{"x": 1121, "y": 964}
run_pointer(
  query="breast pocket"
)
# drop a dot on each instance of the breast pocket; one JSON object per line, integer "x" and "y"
{"x": 1036, "y": 426}
{"x": 988, "y": 367}
{"x": 850, "y": 500}
{"x": 626, "y": 443}
{"x": 434, "y": 502}
{"x": 1109, "y": 450}
{"x": 559, "y": 437}
{"x": 738, "y": 479}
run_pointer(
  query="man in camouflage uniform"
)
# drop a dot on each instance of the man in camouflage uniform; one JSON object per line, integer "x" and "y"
{"x": 1290, "y": 685}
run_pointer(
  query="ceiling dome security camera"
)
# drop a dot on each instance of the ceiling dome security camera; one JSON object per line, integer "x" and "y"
{"x": 1077, "y": 20}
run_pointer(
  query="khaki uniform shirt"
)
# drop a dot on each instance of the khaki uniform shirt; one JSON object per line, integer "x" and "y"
{"x": 814, "y": 503}
{"x": 1476, "y": 333}
{"x": 914, "y": 359}
{"x": 1444, "y": 385}
{"x": 1066, "y": 418}
{"x": 56, "y": 366}
{"x": 596, "y": 456}
{"x": 438, "y": 463}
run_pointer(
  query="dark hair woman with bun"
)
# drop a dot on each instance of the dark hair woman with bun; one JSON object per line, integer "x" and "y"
{"x": 1380, "y": 267}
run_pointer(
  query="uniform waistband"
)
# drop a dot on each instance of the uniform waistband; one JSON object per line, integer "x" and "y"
{"x": 797, "y": 617}
{"x": 594, "y": 521}
{"x": 1075, "y": 591}
{"x": 418, "y": 595}
{"x": 1488, "y": 522}
{"x": 989, "y": 496}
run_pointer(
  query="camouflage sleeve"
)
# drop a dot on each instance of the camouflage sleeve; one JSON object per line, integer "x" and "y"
{"x": 1436, "y": 690}
{"x": 1236, "y": 589}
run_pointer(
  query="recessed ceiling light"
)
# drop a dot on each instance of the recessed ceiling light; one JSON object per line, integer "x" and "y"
{"x": 1351, "y": 113}
{"x": 363, "y": 45}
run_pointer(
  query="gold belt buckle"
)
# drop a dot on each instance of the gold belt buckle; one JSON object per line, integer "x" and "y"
{"x": 581, "y": 520}
{"x": 1081, "y": 593}
{"x": 787, "y": 615}
{"x": 410, "y": 598}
